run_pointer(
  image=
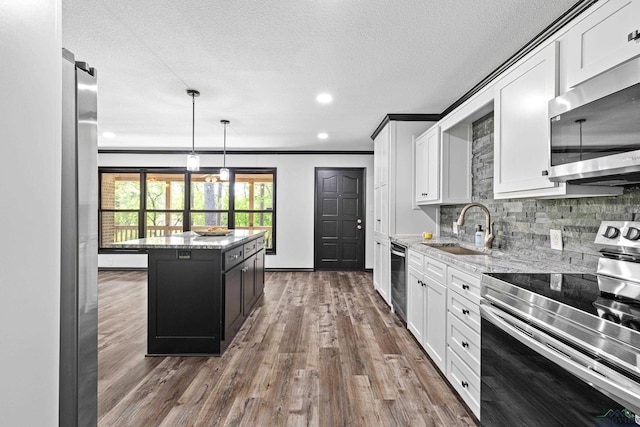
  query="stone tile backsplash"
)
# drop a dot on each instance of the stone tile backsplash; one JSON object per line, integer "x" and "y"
{"x": 523, "y": 225}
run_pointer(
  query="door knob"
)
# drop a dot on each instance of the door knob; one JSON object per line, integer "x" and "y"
{"x": 359, "y": 227}
{"x": 359, "y": 221}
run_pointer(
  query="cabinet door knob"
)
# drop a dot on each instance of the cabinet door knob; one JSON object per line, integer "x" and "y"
{"x": 465, "y": 287}
{"x": 635, "y": 35}
{"x": 465, "y": 344}
{"x": 464, "y": 384}
{"x": 465, "y": 311}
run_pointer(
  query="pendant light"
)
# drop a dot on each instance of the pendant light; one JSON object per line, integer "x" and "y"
{"x": 193, "y": 161}
{"x": 224, "y": 172}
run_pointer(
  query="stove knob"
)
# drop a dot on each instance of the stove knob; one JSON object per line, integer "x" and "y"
{"x": 632, "y": 234}
{"x": 611, "y": 232}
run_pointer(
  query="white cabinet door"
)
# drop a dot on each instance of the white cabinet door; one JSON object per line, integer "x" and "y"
{"x": 381, "y": 158}
{"x": 382, "y": 269}
{"x": 421, "y": 155}
{"x": 603, "y": 40}
{"x": 384, "y": 210}
{"x": 427, "y": 166}
{"x": 415, "y": 304}
{"x": 435, "y": 331}
{"x": 521, "y": 137}
{"x": 377, "y": 263}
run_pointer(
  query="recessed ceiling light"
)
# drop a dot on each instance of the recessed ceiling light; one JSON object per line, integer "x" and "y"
{"x": 324, "y": 98}
{"x": 108, "y": 135}
{"x": 323, "y": 135}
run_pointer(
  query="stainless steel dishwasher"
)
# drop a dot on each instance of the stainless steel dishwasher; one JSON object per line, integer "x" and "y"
{"x": 399, "y": 280}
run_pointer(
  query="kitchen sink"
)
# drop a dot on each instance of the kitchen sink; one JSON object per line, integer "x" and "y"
{"x": 456, "y": 249}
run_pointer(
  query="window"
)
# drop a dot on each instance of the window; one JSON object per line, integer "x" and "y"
{"x": 138, "y": 203}
{"x": 253, "y": 204}
{"x": 119, "y": 214}
{"x": 164, "y": 202}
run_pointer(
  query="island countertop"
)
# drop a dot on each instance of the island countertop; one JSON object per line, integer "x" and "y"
{"x": 190, "y": 240}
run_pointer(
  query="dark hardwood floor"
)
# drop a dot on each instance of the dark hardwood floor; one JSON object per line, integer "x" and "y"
{"x": 320, "y": 349}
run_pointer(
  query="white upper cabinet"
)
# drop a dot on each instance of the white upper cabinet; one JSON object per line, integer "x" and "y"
{"x": 442, "y": 166}
{"x": 427, "y": 165}
{"x": 393, "y": 192}
{"x": 381, "y": 158}
{"x": 604, "y": 39}
{"x": 521, "y": 125}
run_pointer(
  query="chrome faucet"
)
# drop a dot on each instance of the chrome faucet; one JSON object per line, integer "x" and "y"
{"x": 488, "y": 232}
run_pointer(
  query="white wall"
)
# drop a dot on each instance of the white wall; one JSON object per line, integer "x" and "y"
{"x": 30, "y": 105}
{"x": 294, "y": 200}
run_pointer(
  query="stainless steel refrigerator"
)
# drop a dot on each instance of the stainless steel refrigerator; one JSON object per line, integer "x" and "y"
{"x": 79, "y": 240}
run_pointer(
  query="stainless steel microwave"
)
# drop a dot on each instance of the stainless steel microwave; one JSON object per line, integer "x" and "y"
{"x": 595, "y": 130}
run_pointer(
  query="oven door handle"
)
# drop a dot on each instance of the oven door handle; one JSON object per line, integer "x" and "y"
{"x": 619, "y": 388}
{"x": 396, "y": 253}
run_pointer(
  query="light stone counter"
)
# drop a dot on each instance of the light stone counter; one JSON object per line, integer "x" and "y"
{"x": 190, "y": 240}
{"x": 496, "y": 261}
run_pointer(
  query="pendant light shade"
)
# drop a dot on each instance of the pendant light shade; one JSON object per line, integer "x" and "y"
{"x": 224, "y": 172}
{"x": 193, "y": 161}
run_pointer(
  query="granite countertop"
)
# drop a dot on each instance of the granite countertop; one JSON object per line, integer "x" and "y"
{"x": 496, "y": 261}
{"x": 189, "y": 240}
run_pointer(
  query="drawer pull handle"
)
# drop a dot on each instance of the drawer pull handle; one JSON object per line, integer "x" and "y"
{"x": 465, "y": 384}
{"x": 465, "y": 344}
{"x": 465, "y": 311}
{"x": 465, "y": 287}
{"x": 633, "y": 36}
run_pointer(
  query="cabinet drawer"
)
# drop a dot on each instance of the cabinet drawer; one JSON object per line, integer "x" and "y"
{"x": 250, "y": 248}
{"x": 233, "y": 257}
{"x": 465, "y": 342}
{"x": 435, "y": 269}
{"x": 466, "y": 383}
{"x": 465, "y": 284}
{"x": 260, "y": 243}
{"x": 416, "y": 259}
{"x": 466, "y": 311}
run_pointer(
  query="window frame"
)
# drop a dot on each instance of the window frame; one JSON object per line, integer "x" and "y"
{"x": 142, "y": 211}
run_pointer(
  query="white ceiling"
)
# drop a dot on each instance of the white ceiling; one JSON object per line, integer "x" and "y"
{"x": 260, "y": 64}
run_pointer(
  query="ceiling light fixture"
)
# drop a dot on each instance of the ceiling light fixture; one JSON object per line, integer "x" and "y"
{"x": 323, "y": 135}
{"x": 224, "y": 172}
{"x": 193, "y": 161}
{"x": 324, "y": 98}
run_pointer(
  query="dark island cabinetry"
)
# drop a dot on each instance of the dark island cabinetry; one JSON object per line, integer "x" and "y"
{"x": 200, "y": 290}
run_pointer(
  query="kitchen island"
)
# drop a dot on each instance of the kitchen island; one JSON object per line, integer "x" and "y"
{"x": 200, "y": 289}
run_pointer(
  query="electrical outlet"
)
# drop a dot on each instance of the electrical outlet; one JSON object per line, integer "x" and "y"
{"x": 556, "y": 239}
{"x": 455, "y": 227}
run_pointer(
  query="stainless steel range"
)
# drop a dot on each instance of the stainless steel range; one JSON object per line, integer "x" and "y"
{"x": 564, "y": 349}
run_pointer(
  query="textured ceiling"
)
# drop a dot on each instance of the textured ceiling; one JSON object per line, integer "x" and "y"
{"x": 260, "y": 64}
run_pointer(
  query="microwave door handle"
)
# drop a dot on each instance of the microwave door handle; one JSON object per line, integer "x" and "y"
{"x": 578, "y": 364}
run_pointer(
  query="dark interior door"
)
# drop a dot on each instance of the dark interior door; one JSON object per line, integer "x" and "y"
{"x": 339, "y": 219}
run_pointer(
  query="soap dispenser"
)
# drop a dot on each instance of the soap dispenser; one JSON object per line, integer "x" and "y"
{"x": 479, "y": 235}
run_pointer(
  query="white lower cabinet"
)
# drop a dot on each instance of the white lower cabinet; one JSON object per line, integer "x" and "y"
{"x": 463, "y": 336}
{"x": 382, "y": 268}
{"x": 415, "y": 303}
{"x": 443, "y": 314}
{"x": 435, "y": 337}
{"x": 426, "y": 308}
{"x": 464, "y": 380}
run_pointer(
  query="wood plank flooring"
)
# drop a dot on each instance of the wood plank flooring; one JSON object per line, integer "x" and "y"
{"x": 320, "y": 349}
